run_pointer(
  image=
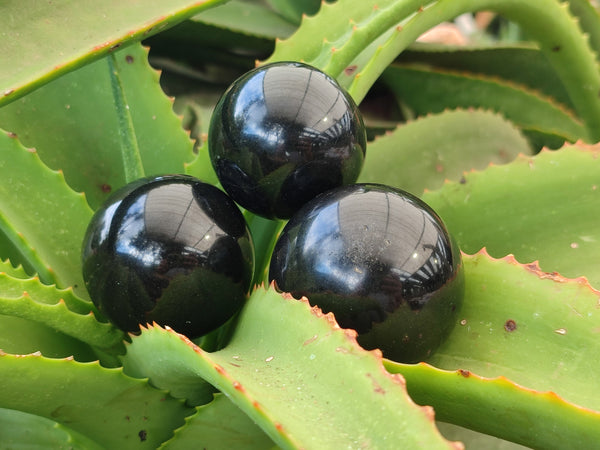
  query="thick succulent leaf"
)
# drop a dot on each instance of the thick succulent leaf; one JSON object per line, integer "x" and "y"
{"x": 422, "y": 154}
{"x": 201, "y": 167}
{"x": 520, "y": 63}
{"x": 82, "y": 107}
{"x": 293, "y": 10}
{"x": 22, "y": 430}
{"x": 62, "y": 35}
{"x": 535, "y": 335}
{"x": 566, "y": 48}
{"x": 538, "y": 208}
{"x": 171, "y": 371}
{"x": 7, "y": 268}
{"x": 499, "y": 406}
{"x": 264, "y": 235}
{"x": 60, "y": 310}
{"x": 335, "y": 39}
{"x": 332, "y": 39}
{"x": 287, "y": 367}
{"x": 15, "y": 248}
{"x": 249, "y": 18}
{"x": 473, "y": 439}
{"x": 212, "y": 44}
{"x": 588, "y": 15}
{"x": 208, "y": 429}
{"x": 105, "y": 405}
{"x": 49, "y": 216}
{"x": 427, "y": 90}
{"x": 20, "y": 336}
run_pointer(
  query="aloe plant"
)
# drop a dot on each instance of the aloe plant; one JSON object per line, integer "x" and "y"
{"x": 500, "y": 138}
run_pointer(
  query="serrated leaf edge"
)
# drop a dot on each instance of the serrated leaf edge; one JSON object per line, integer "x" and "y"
{"x": 580, "y": 146}
{"x": 535, "y": 269}
{"x": 350, "y": 335}
{"x": 503, "y": 83}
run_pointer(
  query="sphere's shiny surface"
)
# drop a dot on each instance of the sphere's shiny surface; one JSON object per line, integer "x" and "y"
{"x": 381, "y": 260}
{"x": 283, "y": 133}
{"x": 168, "y": 249}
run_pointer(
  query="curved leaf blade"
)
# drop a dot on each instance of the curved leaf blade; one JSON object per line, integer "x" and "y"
{"x": 249, "y": 18}
{"x": 427, "y": 90}
{"x": 20, "y": 336}
{"x": 588, "y": 15}
{"x": 534, "y": 335}
{"x": 207, "y": 429}
{"x": 287, "y": 367}
{"x": 58, "y": 309}
{"x": 62, "y": 35}
{"x": 354, "y": 41}
{"x": 22, "y": 430}
{"x": 84, "y": 395}
{"x": 538, "y": 208}
{"x": 499, "y": 407}
{"x": 422, "y": 154}
{"x": 7, "y": 268}
{"x": 566, "y": 48}
{"x": 520, "y": 63}
{"x": 88, "y": 147}
{"x": 50, "y": 216}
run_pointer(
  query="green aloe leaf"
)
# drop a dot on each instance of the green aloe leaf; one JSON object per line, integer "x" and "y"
{"x": 473, "y": 439}
{"x": 588, "y": 15}
{"x": 49, "y": 216}
{"x": 63, "y": 35}
{"x": 520, "y": 63}
{"x": 422, "y": 154}
{"x": 427, "y": 90}
{"x": 533, "y": 335}
{"x": 208, "y": 429}
{"x": 293, "y": 10}
{"x": 20, "y": 336}
{"x": 22, "y": 430}
{"x": 537, "y": 208}
{"x": 104, "y": 405}
{"x": 354, "y": 41}
{"x": 7, "y": 268}
{"x": 201, "y": 167}
{"x": 60, "y": 310}
{"x": 287, "y": 367}
{"x": 249, "y": 18}
{"x": 82, "y": 106}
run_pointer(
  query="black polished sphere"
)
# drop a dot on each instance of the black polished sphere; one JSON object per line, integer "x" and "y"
{"x": 282, "y": 134}
{"x": 381, "y": 260}
{"x": 168, "y": 249}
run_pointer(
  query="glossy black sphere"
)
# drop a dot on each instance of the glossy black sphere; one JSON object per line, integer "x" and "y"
{"x": 168, "y": 249}
{"x": 283, "y": 133}
{"x": 381, "y": 260}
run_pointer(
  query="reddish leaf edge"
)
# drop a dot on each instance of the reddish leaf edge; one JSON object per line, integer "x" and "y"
{"x": 498, "y": 81}
{"x": 350, "y": 334}
{"x": 554, "y": 405}
{"x": 505, "y": 381}
{"x": 102, "y": 49}
{"x": 535, "y": 269}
